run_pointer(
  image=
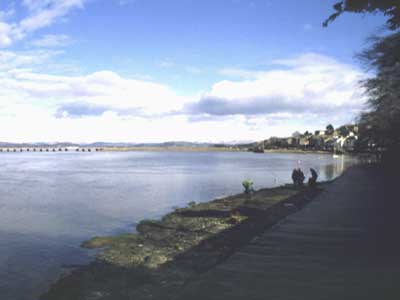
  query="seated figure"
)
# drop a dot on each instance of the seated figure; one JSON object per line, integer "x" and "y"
{"x": 298, "y": 177}
{"x": 312, "y": 181}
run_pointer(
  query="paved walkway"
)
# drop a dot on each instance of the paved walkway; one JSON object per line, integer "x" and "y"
{"x": 343, "y": 245}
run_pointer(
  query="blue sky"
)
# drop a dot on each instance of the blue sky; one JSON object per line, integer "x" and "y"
{"x": 153, "y": 70}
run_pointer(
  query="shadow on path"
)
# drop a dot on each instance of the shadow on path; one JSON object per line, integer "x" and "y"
{"x": 344, "y": 245}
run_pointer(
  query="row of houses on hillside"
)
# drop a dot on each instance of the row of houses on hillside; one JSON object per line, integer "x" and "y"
{"x": 343, "y": 139}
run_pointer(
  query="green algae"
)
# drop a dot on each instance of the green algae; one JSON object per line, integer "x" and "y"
{"x": 106, "y": 241}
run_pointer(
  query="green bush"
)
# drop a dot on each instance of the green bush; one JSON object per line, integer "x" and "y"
{"x": 248, "y": 186}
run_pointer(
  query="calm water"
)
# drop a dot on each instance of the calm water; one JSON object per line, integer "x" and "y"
{"x": 51, "y": 202}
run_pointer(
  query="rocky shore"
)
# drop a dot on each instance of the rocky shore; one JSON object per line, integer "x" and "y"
{"x": 166, "y": 254}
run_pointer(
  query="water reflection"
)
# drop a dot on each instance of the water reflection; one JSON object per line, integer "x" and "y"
{"x": 329, "y": 171}
{"x": 342, "y": 162}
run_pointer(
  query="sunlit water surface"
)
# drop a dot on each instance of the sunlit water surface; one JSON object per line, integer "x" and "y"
{"x": 51, "y": 202}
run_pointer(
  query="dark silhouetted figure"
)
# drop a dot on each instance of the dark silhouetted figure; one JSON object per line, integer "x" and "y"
{"x": 298, "y": 177}
{"x": 312, "y": 181}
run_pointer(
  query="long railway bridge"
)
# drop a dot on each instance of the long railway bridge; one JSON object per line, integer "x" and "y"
{"x": 49, "y": 149}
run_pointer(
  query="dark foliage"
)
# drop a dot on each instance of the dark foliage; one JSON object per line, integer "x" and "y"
{"x": 330, "y": 129}
{"x": 382, "y": 123}
{"x": 390, "y": 8}
{"x": 343, "y": 131}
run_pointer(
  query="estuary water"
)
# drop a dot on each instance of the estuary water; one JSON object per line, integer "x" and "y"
{"x": 51, "y": 202}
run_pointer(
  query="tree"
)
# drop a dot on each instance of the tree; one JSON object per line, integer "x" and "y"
{"x": 296, "y": 134}
{"x": 343, "y": 131}
{"x": 329, "y": 129}
{"x": 380, "y": 125}
{"x": 390, "y": 8}
{"x": 382, "y": 122}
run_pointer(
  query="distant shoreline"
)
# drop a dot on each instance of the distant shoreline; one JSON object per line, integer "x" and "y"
{"x": 297, "y": 151}
{"x": 211, "y": 149}
{"x": 154, "y": 149}
{"x": 90, "y": 149}
{"x": 177, "y": 149}
{"x": 119, "y": 149}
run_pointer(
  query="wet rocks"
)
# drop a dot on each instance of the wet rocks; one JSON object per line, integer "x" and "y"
{"x": 158, "y": 242}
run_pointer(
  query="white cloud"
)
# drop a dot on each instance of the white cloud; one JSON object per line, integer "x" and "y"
{"x": 5, "y": 34}
{"x": 44, "y": 13}
{"x": 14, "y": 62}
{"x": 309, "y": 83}
{"x": 305, "y": 92}
{"x": 100, "y": 89}
{"x": 239, "y": 73}
{"x": 41, "y": 14}
{"x": 101, "y": 105}
{"x": 52, "y": 40}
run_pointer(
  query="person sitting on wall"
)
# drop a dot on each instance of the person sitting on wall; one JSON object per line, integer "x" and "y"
{"x": 312, "y": 181}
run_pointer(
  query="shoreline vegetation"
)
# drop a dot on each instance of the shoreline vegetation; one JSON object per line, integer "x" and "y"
{"x": 163, "y": 255}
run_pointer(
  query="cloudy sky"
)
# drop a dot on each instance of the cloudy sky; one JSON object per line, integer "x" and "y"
{"x": 161, "y": 70}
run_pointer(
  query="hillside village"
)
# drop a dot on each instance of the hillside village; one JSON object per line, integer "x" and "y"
{"x": 344, "y": 139}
